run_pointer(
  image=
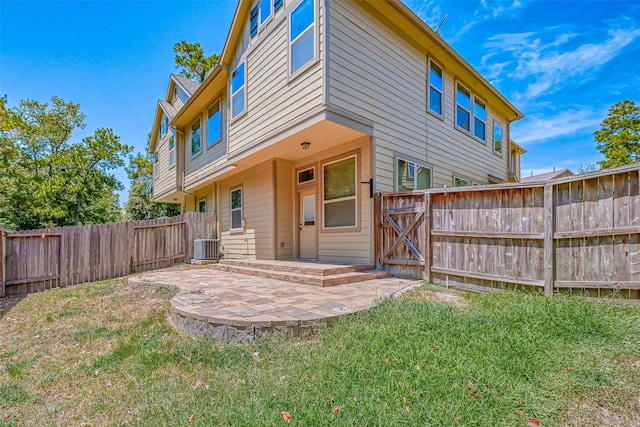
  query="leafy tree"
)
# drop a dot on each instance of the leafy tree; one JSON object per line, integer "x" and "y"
{"x": 586, "y": 168}
{"x": 140, "y": 204}
{"x": 192, "y": 62}
{"x": 619, "y": 136}
{"x": 48, "y": 180}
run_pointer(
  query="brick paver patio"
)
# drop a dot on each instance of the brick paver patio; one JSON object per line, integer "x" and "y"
{"x": 243, "y": 308}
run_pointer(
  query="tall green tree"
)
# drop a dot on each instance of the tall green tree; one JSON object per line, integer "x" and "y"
{"x": 192, "y": 62}
{"x": 49, "y": 180}
{"x": 140, "y": 204}
{"x": 619, "y": 135}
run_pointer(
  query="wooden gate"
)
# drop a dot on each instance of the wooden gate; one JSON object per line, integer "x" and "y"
{"x": 159, "y": 245}
{"x": 403, "y": 228}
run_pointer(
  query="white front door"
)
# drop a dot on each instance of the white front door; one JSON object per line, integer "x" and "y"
{"x": 308, "y": 226}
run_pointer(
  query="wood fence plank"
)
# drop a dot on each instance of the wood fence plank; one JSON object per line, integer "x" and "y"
{"x": 549, "y": 227}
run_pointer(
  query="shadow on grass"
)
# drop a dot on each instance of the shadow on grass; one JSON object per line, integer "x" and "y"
{"x": 8, "y": 302}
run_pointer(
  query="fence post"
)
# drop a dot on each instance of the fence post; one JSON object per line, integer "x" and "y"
{"x": 427, "y": 240}
{"x": 549, "y": 244}
{"x": 3, "y": 254}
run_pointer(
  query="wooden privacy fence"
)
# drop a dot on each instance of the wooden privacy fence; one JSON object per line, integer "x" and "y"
{"x": 36, "y": 260}
{"x": 576, "y": 232}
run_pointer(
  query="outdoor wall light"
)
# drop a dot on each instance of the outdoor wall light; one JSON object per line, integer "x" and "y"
{"x": 305, "y": 145}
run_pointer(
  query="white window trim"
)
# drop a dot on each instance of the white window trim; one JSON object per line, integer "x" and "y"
{"x": 354, "y": 197}
{"x": 501, "y": 152}
{"x": 213, "y": 143}
{"x": 471, "y": 183}
{"x": 472, "y": 115}
{"x": 193, "y": 155}
{"x": 414, "y": 163}
{"x": 231, "y": 209}
{"x": 441, "y": 114}
{"x": 244, "y": 86}
{"x": 293, "y": 74}
{"x": 198, "y": 205}
{"x": 473, "y": 127}
{"x": 156, "y": 162}
{"x": 262, "y": 24}
{"x": 172, "y": 151}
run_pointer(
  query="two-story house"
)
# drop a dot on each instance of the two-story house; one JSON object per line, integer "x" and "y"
{"x": 314, "y": 105}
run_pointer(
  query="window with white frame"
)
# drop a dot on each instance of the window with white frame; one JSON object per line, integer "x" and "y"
{"x": 302, "y": 35}
{"x": 479, "y": 119}
{"x": 214, "y": 124}
{"x": 196, "y": 138}
{"x": 307, "y": 175}
{"x": 436, "y": 88}
{"x": 236, "y": 209}
{"x": 265, "y": 10}
{"x": 172, "y": 150}
{"x": 462, "y": 182}
{"x": 238, "y": 92}
{"x": 155, "y": 163}
{"x": 412, "y": 176}
{"x": 164, "y": 125}
{"x": 463, "y": 108}
{"x": 497, "y": 138}
{"x": 339, "y": 193}
{"x": 202, "y": 205}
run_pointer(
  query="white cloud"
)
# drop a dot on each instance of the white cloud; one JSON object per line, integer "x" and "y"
{"x": 533, "y": 130}
{"x": 546, "y": 65}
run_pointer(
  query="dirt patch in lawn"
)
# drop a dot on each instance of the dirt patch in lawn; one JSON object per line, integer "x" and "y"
{"x": 422, "y": 294}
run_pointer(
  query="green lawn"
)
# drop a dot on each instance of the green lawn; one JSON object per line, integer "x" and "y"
{"x": 103, "y": 354}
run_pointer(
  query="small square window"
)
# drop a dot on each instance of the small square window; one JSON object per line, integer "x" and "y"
{"x": 412, "y": 176}
{"x": 307, "y": 175}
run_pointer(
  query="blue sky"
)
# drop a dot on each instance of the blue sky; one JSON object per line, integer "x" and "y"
{"x": 562, "y": 63}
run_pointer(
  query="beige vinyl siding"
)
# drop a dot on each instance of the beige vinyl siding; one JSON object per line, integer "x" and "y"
{"x": 211, "y": 158}
{"x": 352, "y": 246}
{"x": 376, "y": 74}
{"x": 256, "y": 240}
{"x": 165, "y": 181}
{"x": 273, "y": 101}
{"x": 180, "y": 100}
{"x": 284, "y": 209}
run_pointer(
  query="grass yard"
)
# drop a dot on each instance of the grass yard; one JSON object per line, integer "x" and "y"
{"x": 103, "y": 354}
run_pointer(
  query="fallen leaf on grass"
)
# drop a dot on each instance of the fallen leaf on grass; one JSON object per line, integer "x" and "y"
{"x": 286, "y": 416}
{"x": 570, "y": 369}
{"x": 470, "y": 384}
{"x": 520, "y": 413}
{"x": 191, "y": 417}
{"x": 475, "y": 396}
{"x": 408, "y": 409}
{"x": 457, "y": 418}
{"x": 532, "y": 422}
{"x": 336, "y": 410}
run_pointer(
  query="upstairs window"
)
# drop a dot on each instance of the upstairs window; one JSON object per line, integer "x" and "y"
{"x": 479, "y": 119}
{"x": 155, "y": 163}
{"x": 497, "y": 138}
{"x": 236, "y": 209}
{"x": 463, "y": 108}
{"x": 172, "y": 151}
{"x": 196, "y": 138}
{"x": 214, "y": 124}
{"x": 435, "y": 88}
{"x": 412, "y": 176}
{"x": 238, "y": 92}
{"x": 302, "y": 41}
{"x": 265, "y": 10}
{"x": 253, "y": 21}
{"x": 164, "y": 125}
{"x": 277, "y": 4}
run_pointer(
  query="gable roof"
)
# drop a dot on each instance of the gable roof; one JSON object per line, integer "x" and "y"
{"x": 169, "y": 109}
{"x": 547, "y": 176}
{"x": 188, "y": 85}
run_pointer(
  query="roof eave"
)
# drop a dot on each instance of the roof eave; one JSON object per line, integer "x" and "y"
{"x": 203, "y": 86}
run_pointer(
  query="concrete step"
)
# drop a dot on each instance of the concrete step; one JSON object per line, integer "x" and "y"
{"x": 341, "y": 278}
{"x": 301, "y": 267}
